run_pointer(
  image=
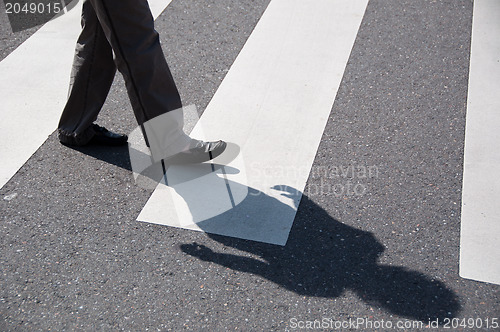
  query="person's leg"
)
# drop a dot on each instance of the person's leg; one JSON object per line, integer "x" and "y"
{"x": 92, "y": 75}
{"x": 129, "y": 28}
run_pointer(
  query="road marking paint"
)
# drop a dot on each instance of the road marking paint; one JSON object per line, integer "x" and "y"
{"x": 273, "y": 104}
{"x": 480, "y": 224}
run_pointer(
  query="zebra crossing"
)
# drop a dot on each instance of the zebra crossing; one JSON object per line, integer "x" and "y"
{"x": 282, "y": 79}
{"x": 311, "y": 138}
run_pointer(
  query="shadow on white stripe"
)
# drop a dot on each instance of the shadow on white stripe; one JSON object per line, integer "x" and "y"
{"x": 274, "y": 104}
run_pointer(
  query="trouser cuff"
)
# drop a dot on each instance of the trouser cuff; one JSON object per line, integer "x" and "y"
{"x": 75, "y": 139}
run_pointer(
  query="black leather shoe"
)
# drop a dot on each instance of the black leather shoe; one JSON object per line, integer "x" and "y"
{"x": 199, "y": 152}
{"x": 103, "y": 136}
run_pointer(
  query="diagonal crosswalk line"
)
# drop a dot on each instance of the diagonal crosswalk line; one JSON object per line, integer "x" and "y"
{"x": 273, "y": 105}
{"x": 480, "y": 224}
{"x": 33, "y": 87}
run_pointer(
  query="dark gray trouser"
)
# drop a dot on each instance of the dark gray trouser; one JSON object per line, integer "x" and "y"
{"x": 125, "y": 27}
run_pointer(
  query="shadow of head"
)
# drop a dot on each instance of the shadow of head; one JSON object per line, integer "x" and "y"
{"x": 324, "y": 258}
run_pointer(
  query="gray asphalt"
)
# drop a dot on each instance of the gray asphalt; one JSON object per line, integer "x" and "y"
{"x": 75, "y": 258}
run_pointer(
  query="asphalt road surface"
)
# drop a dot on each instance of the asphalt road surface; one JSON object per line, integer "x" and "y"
{"x": 73, "y": 256}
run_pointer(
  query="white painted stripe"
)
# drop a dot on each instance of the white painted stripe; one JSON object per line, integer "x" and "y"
{"x": 480, "y": 226}
{"x": 34, "y": 87}
{"x": 274, "y": 104}
{"x": 158, "y": 6}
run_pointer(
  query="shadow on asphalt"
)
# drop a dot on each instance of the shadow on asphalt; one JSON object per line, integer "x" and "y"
{"x": 324, "y": 258}
{"x": 115, "y": 155}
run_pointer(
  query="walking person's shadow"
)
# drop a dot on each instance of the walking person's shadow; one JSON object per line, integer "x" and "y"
{"x": 324, "y": 257}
